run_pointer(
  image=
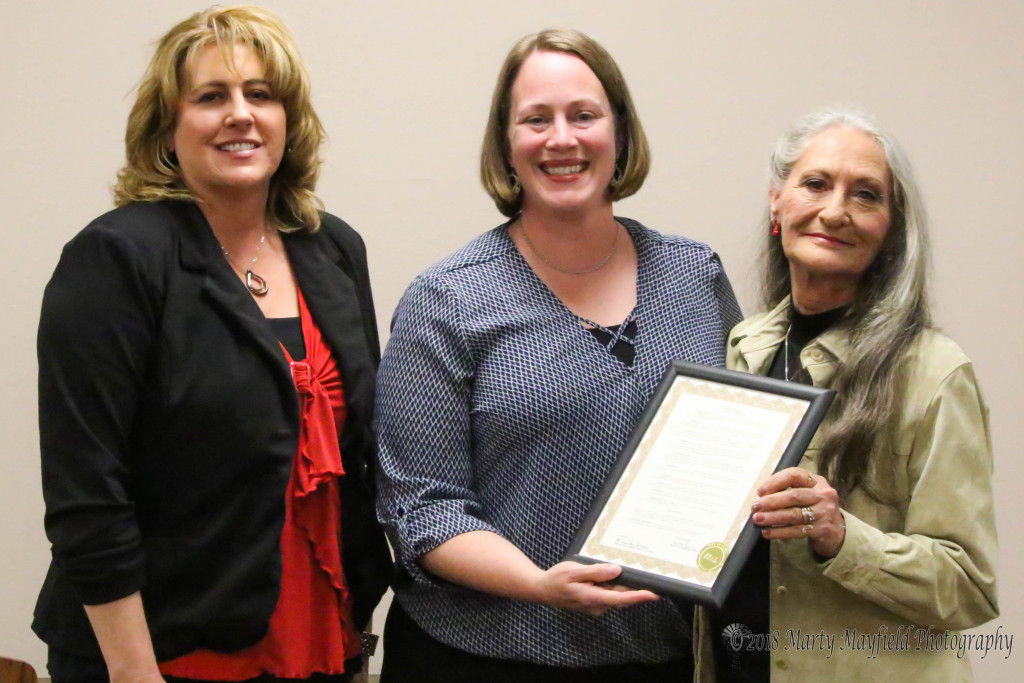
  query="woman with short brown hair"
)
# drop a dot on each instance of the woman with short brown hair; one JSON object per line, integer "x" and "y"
{"x": 515, "y": 371}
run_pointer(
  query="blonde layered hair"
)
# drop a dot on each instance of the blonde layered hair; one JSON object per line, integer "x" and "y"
{"x": 633, "y": 157}
{"x": 152, "y": 173}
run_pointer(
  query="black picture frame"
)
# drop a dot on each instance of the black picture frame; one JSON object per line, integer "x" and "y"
{"x": 713, "y": 586}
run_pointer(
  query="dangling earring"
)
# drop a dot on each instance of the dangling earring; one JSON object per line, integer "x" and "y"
{"x": 775, "y": 227}
{"x": 616, "y": 178}
{"x": 517, "y": 187}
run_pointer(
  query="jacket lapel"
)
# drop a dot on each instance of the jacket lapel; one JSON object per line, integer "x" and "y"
{"x": 329, "y": 291}
{"x": 331, "y": 296}
{"x": 758, "y": 343}
{"x": 201, "y": 253}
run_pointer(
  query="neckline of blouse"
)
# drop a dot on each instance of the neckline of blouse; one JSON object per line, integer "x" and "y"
{"x": 582, "y": 336}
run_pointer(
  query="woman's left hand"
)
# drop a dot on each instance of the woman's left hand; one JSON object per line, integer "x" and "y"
{"x": 794, "y": 503}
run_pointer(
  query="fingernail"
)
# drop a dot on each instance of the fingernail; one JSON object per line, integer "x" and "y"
{"x": 758, "y": 518}
{"x": 756, "y": 506}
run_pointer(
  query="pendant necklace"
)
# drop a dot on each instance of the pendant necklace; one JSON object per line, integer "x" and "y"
{"x": 253, "y": 282}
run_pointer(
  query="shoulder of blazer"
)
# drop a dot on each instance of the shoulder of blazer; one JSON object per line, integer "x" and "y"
{"x": 148, "y": 226}
{"x": 337, "y": 242}
{"x": 164, "y": 234}
{"x": 133, "y": 244}
{"x": 349, "y": 245}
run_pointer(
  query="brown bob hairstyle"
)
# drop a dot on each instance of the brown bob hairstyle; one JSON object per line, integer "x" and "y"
{"x": 151, "y": 172}
{"x": 633, "y": 158}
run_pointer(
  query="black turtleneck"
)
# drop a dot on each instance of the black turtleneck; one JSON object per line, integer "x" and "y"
{"x": 802, "y": 329}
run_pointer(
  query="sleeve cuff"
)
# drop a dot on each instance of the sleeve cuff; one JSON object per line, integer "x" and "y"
{"x": 420, "y": 532}
{"x": 861, "y": 554}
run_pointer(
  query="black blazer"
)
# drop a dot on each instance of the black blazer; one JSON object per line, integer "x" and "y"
{"x": 168, "y": 423}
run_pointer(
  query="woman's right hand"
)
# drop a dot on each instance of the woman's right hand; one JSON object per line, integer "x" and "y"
{"x": 585, "y": 588}
{"x": 487, "y": 562}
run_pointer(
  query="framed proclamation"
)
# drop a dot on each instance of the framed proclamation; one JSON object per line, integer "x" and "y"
{"x": 675, "y": 509}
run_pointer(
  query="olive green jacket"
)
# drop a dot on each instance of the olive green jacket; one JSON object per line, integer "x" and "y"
{"x": 910, "y": 574}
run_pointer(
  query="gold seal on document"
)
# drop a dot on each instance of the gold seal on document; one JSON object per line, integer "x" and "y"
{"x": 712, "y": 556}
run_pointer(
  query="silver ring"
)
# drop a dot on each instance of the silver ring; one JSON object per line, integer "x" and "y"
{"x": 808, "y": 514}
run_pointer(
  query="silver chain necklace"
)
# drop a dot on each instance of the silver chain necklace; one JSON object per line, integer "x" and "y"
{"x": 566, "y": 271}
{"x": 785, "y": 362}
{"x": 785, "y": 355}
{"x": 253, "y": 282}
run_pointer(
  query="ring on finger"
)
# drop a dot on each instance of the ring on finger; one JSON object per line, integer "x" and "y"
{"x": 808, "y": 515}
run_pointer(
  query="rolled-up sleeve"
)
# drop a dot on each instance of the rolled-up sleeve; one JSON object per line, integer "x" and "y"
{"x": 95, "y": 334}
{"x": 941, "y": 569}
{"x": 424, "y": 392}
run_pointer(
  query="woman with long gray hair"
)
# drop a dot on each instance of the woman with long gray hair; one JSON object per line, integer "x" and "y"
{"x": 886, "y": 527}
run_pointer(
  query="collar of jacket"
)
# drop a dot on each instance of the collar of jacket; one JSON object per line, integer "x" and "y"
{"x": 200, "y": 252}
{"x": 757, "y": 340}
{"x": 323, "y": 274}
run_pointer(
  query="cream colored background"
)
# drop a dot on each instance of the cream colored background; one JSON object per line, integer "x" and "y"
{"x": 403, "y": 88}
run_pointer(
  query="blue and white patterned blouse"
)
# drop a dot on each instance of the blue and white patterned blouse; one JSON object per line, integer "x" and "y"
{"x": 497, "y": 410}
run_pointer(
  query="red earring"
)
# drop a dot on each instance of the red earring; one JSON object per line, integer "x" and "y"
{"x": 775, "y": 227}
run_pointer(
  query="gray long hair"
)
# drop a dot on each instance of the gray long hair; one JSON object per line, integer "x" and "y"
{"x": 888, "y": 314}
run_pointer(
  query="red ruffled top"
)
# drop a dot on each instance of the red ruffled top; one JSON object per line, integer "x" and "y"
{"x": 311, "y": 629}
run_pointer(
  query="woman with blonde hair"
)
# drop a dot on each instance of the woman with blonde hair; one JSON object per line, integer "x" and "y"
{"x": 515, "y": 370}
{"x": 207, "y": 354}
{"x": 886, "y": 528}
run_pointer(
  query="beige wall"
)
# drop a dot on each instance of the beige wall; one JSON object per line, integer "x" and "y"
{"x": 403, "y": 88}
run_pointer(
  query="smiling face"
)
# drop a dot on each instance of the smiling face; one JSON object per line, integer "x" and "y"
{"x": 561, "y": 135}
{"x": 230, "y": 131}
{"x": 834, "y": 209}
